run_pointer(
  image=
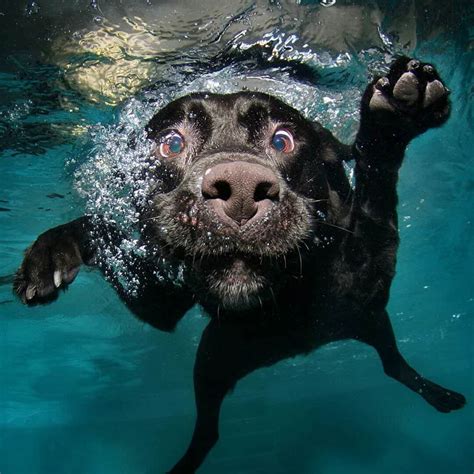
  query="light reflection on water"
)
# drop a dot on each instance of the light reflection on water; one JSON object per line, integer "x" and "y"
{"x": 105, "y": 52}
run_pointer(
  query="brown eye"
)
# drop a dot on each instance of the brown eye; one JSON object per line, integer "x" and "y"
{"x": 283, "y": 142}
{"x": 171, "y": 145}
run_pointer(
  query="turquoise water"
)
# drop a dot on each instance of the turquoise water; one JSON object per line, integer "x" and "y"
{"x": 85, "y": 387}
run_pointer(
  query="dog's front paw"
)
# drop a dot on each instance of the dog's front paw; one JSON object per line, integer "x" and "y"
{"x": 409, "y": 100}
{"x": 50, "y": 264}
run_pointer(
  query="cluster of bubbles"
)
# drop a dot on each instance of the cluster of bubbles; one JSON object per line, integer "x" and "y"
{"x": 112, "y": 180}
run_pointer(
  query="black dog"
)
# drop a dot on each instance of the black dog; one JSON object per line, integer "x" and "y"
{"x": 252, "y": 201}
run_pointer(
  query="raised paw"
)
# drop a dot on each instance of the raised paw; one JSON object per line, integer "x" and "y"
{"x": 441, "y": 398}
{"x": 409, "y": 100}
{"x": 50, "y": 264}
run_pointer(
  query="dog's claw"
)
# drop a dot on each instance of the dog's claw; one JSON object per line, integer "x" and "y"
{"x": 429, "y": 70}
{"x": 57, "y": 278}
{"x": 413, "y": 65}
{"x": 30, "y": 292}
{"x": 383, "y": 84}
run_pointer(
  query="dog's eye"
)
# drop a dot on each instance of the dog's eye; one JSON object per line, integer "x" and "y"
{"x": 171, "y": 145}
{"x": 282, "y": 141}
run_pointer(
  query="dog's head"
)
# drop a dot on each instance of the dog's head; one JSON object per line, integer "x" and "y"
{"x": 241, "y": 184}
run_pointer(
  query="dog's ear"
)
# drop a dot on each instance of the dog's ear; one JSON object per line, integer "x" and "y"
{"x": 334, "y": 154}
{"x": 333, "y": 151}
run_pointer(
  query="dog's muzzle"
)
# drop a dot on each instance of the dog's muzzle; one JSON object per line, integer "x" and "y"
{"x": 240, "y": 192}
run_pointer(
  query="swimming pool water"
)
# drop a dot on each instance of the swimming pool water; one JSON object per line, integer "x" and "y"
{"x": 85, "y": 387}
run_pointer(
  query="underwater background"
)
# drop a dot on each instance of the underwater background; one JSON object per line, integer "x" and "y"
{"x": 85, "y": 387}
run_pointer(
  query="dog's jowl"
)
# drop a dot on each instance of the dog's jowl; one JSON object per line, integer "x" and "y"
{"x": 251, "y": 201}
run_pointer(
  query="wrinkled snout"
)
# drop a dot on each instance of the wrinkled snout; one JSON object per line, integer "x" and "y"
{"x": 240, "y": 191}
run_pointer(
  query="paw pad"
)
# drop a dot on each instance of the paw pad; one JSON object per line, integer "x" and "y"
{"x": 410, "y": 99}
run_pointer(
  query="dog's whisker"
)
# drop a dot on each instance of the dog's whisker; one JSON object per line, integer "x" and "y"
{"x": 300, "y": 260}
{"x": 314, "y": 201}
{"x": 302, "y": 242}
{"x": 273, "y": 297}
{"x": 335, "y": 226}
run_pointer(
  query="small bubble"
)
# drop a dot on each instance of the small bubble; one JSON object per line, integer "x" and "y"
{"x": 32, "y": 8}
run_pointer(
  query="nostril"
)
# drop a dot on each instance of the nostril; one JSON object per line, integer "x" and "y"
{"x": 266, "y": 190}
{"x": 238, "y": 191}
{"x": 223, "y": 189}
{"x": 218, "y": 190}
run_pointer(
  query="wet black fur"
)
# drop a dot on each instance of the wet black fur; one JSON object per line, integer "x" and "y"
{"x": 317, "y": 270}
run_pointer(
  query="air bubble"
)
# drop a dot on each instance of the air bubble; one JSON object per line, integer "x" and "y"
{"x": 32, "y": 8}
{"x": 327, "y": 3}
{"x": 117, "y": 177}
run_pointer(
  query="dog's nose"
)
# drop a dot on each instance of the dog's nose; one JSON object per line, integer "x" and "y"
{"x": 240, "y": 191}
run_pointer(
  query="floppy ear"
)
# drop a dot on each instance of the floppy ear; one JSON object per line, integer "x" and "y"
{"x": 334, "y": 154}
{"x": 334, "y": 151}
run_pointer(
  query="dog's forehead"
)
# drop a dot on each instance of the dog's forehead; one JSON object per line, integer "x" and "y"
{"x": 241, "y": 109}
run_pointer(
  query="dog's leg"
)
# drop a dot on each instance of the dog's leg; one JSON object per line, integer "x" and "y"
{"x": 394, "y": 110}
{"x": 214, "y": 376}
{"x": 54, "y": 260}
{"x": 376, "y": 330}
{"x": 209, "y": 396}
{"x": 227, "y": 352}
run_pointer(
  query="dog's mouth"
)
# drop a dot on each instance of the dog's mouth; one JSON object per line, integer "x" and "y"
{"x": 235, "y": 267}
{"x": 235, "y": 281}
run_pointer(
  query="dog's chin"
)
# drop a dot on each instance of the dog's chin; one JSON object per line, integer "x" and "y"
{"x": 235, "y": 283}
